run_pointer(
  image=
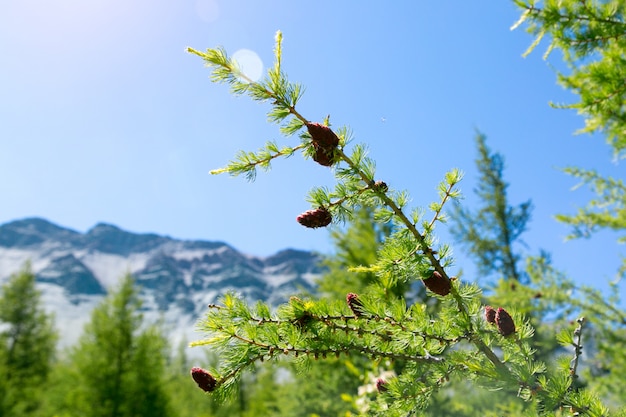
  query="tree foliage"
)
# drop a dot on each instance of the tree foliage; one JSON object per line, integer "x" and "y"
{"x": 490, "y": 233}
{"x": 592, "y": 38}
{"x": 606, "y": 211}
{"x": 27, "y": 345}
{"x": 455, "y": 341}
{"x": 366, "y": 346}
{"x": 118, "y": 367}
{"x": 355, "y": 246}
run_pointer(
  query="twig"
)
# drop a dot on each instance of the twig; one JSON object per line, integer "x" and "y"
{"x": 578, "y": 348}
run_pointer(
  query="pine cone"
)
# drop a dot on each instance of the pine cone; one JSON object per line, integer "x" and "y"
{"x": 323, "y": 156}
{"x": 490, "y": 314}
{"x": 204, "y": 379}
{"x": 438, "y": 284}
{"x": 381, "y": 385}
{"x": 355, "y": 304}
{"x": 320, "y": 217}
{"x": 322, "y": 135}
{"x": 324, "y": 141}
{"x": 504, "y": 321}
{"x": 381, "y": 186}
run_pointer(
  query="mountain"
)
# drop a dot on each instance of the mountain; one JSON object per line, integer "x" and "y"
{"x": 177, "y": 278}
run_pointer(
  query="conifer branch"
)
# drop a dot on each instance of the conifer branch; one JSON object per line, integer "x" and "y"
{"x": 246, "y": 163}
{"x": 591, "y": 36}
{"x": 269, "y": 350}
{"x": 299, "y": 328}
{"x": 227, "y": 71}
{"x": 448, "y": 193}
{"x": 578, "y": 348}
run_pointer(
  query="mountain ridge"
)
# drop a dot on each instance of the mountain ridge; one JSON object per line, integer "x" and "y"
{"x": 176, "y": 278}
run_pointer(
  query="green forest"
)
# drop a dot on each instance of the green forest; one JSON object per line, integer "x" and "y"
{"x": 388, "y": 330}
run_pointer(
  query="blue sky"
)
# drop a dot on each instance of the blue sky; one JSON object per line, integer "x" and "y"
{"x": 105, "y": 118}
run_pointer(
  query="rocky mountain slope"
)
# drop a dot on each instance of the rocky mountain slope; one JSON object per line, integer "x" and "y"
{"x": 177, "y": 278}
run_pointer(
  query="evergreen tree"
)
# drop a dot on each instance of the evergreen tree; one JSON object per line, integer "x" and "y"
{"x": 606, "y": 211}
{"x": 355, "y": 246}
{"x": 188, "y": 402}
{"x": 119, "y": 363}
{"x": 460, "y": 340}
{"x": 490, "y": 234}
{"x": 27, "y": 345}
{"x": 592, "y": 38}
{"x": 329, "y": 387}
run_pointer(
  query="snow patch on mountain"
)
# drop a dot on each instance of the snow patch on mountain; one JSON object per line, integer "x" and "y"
{"x": 109, "y": 267}
{"x": 177, "y": 279}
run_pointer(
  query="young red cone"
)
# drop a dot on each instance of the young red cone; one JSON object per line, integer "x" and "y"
{"x": 504, "y": 321}
{"x": 320, "y": 217}
{"x": 323, "y": 155}
{"x": 438, "y": 284}
{"x": 322, "y": 135}
{"x": 381, "y": 186}
{"x": 325, "y": 141}
{"x": 204, "y": 379}
{"x": 381, "y": 385}
{"x": 490, "y": 314}
{"x": 355, "y": 304}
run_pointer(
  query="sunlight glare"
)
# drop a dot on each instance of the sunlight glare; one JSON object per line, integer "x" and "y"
{"x": 250, "y": 63}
